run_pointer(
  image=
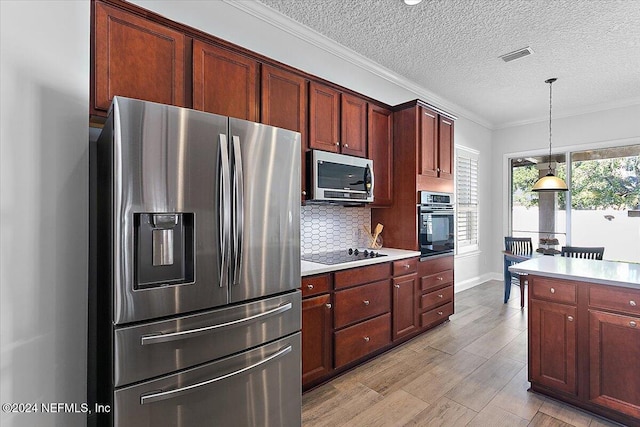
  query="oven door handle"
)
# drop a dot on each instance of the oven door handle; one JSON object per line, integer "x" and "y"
{"x": 174, "y": 336}
{"x": 162, "y": 395}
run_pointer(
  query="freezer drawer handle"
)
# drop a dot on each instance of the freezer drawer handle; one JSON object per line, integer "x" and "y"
{"x": 155, "y": 397}
{"x": 174, "y": 336}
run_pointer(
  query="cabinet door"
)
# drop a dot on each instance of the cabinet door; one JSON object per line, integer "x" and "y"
{"x": 445, "y": 148}
{"x": 380, "y": 150}
{"x": 405, "y": 308}
{"x": 136, "y": 58}
{"x": 354, "y": 126}
{"x": 324, "y": 118}
{"x": 284, "y": 105}
{"x": 428, "y": 142}
{"x": 552, "y": 334}
{"x": 224, "y": 82}
{"x": 614, "y": 354}
{"x": 316, "y": 338}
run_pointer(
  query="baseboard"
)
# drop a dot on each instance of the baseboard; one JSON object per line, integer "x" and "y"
{"x": 475, "y": 281}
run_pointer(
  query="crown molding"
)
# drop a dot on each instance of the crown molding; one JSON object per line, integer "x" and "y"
{"x": 286, "y": 24}
{"x": 594, "y": 108}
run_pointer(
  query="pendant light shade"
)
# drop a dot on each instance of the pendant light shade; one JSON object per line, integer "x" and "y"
{"x": 550, "y": 182}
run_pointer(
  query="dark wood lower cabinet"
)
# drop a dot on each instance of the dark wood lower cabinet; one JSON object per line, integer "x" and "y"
{"x": 614, "y": 352}
{"x": 584, "y": 345}
{"x": 553, "y": 345}
{"x": 405, "y": 313}
{"x": 317, "y": 339}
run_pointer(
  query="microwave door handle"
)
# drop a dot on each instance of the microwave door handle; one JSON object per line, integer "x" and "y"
{"x": 224, "y": 209}
{"x": 238, "y": 203}
{"x": 368, "y": 179}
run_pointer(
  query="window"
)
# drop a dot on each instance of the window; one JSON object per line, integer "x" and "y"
{"x": 466, "y": 199}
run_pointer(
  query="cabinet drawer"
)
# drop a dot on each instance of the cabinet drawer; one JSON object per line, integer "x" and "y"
{"x": 362, "y": 302}
{"x": 357, "y": 276}
{"x": 436, "y": 298}
{"x": 435, "y": 265}
{"x": 405, "y": 266}
{"x": 436, "y": 280}
{"x": 436, "y": 315}
{"x": 613, "y": 298}
{"x": 358, "y": 340}
{"x": 553, "y": 290}
{"x": 313, "y": 285}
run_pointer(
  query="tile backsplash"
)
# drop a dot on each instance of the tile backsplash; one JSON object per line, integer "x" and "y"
{"x": 329, "y": 227}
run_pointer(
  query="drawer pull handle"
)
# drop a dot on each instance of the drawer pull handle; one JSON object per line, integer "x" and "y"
{"x": 366, "y": 339}
{"x": 328, "y": 305}
{"x": 397, "y": 286}
{"x": 440, "y": 278}
{"x": 552, "y": 290}
{"x": 633, "y": 324}
{"x": 309, "y": 286}
{"x": 406, "y": 266}
{"x": 440, "y": 296}
{"x": 570, "y": 318}
{"x": 632, "y": 303}
{"x": 365, "y": 302}
{"x": 439, "y": 313}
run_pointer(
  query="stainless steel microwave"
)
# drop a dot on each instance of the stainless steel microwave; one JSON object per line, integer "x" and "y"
{"x": 341, "y": 179}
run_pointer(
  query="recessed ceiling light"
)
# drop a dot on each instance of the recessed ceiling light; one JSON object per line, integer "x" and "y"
{"x": 412, "y": 2}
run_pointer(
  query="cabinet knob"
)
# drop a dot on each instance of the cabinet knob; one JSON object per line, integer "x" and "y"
{"x": 309, "y": 286}
{"x": 304, "y": 193}
{"x": 439, "y": 313}
{"x": 365, "y": 302}
{"x": 438, "y": 169}
{"x": 440, "y": 296}
{"x": 396, "y": 286}
{"x": 338, "y": 144}
{"x": 366, "y": 339}
{"x": 407, "y": 266}
{"x": 633, "y": 324}
{"x": 552, "y": 290}
{"x": 328, "y": 305}
{"x": 440, "y": 278}
{"x": 570, "y": 318}
{"x": 632, "y": 303}
{"x": 346, "y": 145}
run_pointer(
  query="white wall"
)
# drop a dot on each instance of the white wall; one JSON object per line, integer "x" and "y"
{"x": 44, "y": 204}
{"x": 620, "y": 126}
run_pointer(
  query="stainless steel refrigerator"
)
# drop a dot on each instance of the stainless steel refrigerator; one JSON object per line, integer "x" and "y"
{"x": 194, "y": 312}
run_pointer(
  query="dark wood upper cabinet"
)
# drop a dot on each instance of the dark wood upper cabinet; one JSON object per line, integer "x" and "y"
{"x": 445, "y": 148}
{"x": 324, "y": 118}
{"x": 224, "y": 82}
{"x": 284, "y": 100}
{"x": 354, "y": 126}
{"x": 136, "y": 58}
{"x": 380, "y": 150}
{"x": 428, "y": 145}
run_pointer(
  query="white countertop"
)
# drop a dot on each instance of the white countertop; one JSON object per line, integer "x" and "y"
{"x": 585, "y": 270}
{"x": 311, "y": 268}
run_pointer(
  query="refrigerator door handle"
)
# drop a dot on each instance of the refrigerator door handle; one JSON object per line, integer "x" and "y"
{"x": 225, "y": 208}
{"x": 190, "y": 333}
{"x": 238, "y": 218}
{"x": 162, "y": 395}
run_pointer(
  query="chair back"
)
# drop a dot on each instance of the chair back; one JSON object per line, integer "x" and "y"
{"x": 518, "y": 245}
{"x": 582, "y": 252}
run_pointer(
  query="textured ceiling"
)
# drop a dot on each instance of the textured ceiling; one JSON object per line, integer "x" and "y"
{"x": 451, "y": 48}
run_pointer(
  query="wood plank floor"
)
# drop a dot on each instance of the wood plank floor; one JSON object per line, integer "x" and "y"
{"x": 471, "y": 371}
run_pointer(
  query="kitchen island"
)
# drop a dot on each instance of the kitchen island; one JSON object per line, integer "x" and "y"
{"x": 584, "y": 333}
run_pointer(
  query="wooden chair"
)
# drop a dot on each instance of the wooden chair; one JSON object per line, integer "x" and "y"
{"x": 521, "y": 246}
{"x": 582, "y": 252}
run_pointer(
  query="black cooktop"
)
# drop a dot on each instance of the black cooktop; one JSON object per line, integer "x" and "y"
{"x": 338, "y": 257}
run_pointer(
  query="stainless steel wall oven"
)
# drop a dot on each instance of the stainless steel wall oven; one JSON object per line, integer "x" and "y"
{"x": 436, "y": 223}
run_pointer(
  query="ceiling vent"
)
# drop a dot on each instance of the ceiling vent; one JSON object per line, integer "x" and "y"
{"x": 520, "y": 53}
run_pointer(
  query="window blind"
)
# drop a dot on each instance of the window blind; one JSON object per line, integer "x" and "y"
{"x": 467, "y": 200}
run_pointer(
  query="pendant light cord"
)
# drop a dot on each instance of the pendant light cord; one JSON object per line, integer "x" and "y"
{"x": 550, "y": 93}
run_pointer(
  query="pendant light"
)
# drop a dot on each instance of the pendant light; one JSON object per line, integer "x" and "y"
{"x": 550, "y": 182}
